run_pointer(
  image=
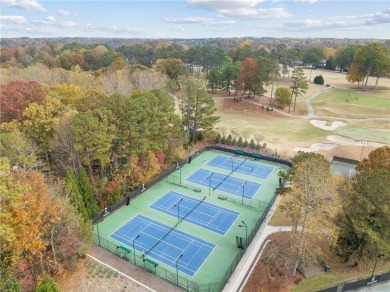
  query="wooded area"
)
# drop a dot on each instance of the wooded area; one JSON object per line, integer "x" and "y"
{"x": 82, "y": 124}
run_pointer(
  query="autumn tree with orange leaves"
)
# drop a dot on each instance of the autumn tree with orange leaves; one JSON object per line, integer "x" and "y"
{"x": 40, "y": 233}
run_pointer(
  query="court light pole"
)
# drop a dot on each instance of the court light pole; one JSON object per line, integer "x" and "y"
{"x": 178, "y": 210}
{"x": 243, "y": 192}
{"x": 135, "y": 263}
{"x": 246, "y": 232}
{"x": 210, "y": 181}
{"x": 177, "y": 270}
{"x": 361, "y": 154}
{"x": 373, "y": 270}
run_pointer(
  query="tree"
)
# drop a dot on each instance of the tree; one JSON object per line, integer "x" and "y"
{"x": 344, "y": 57}
{"x": 267, "y": 69}
{"x": 299, "y": 84}
{"x": 371, "y": 58}
{"x": 174, "y": 68}
{"x": 19, "y": 150}
{"x": 313, "y": 56}
{"x": 282, "y": 97}
{"x": 355, "y": 74}
{"x": 86, "y": 192}
{"x": 311, "y": 202}
{"x": 379, "y": 158}
{"x": 246, "y": 79}
{"x": 39, "y": 122}
{"x": 198, "y": 108}
{"x": 74, "y": 195}
{"x": 365, "y": 227}
{"x": 15, "y": 97}
{"x": 228, "y": 73}
{"x": 93, "y": 137}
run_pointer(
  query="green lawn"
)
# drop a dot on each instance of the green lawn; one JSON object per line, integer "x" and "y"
{"x": 332, "y": 279}
{"x": 362, "y": 133}
{"x": 348, "y": 97}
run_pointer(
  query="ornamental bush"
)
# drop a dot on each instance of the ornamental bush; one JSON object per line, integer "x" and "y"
{"x": 319, "y": 80}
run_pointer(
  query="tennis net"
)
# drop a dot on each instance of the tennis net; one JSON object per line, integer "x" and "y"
{"x": 233, "y": 170}
{"x": 188, "y": 213}
{"x": 161, "y": 239}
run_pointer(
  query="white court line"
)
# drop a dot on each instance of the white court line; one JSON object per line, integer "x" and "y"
{"x": 122, "y": 274}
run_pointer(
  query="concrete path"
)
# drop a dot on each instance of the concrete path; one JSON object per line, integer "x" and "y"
{"x": 241, "y": 271}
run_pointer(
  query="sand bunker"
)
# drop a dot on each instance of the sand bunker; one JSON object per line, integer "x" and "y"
{"x": 316, "y": 147}
{"x": 348, "y": 141}
{"x": 322, "y": 125}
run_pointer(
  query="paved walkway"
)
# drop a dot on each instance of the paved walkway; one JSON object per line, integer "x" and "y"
{"x": 241, "y": 271}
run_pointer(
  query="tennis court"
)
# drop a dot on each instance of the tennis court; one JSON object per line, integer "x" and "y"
{"x": 225, "y": 183}
{"x": 198, "y": 212}
{"x": 161, "y": 242}
{"x": 241, "y": 166}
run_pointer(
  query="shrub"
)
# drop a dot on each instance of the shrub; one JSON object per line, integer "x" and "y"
{"x": 234, "y": 141}
{"x": 245, "y": 143}
{"x": 240, "y": 142}
{"x": 218, "y": 138}
{"x": 229, "y": 140}
{"x": 223, "y": 140}
{"x": 319, "y": 80}
{"x": 252, "y": 144}
{"x": 47, "y": 285}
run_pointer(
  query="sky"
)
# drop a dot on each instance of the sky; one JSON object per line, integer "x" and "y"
{"x": 196, "y": 18}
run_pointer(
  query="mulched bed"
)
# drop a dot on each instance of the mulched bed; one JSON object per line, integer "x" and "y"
{"x": 271, "y": 272}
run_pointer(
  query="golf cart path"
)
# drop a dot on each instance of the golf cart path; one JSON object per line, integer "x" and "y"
{"x": 311, "y": 113}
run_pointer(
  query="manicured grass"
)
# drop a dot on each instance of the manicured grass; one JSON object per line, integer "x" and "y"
{"x": 361, "y": 133}
{"x": 349, "y": 97}
{"x": 332, "y": 279}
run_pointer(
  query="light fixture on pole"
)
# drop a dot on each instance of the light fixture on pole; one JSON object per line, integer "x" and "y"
{"x": 177, "y": 269}
{"x": 246, "y": 232}
{"x": 135, "y": 263}
{"x": 243, "y": 193}
{"x": 178, "y": 210}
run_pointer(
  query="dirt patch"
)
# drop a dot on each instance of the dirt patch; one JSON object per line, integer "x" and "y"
{"x": 91, "y": 276}
{"x": 271, "y": 271}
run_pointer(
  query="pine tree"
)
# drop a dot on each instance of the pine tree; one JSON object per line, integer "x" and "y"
{"x": 299, "y": 84}
{"x": 86, "y": 193}
{"x": 74, "y": 195}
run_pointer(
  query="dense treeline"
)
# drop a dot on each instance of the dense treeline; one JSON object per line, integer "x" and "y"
{"x": 222, "y": 65}
{"x": 227, "y": 43}
{"x": 82, "y": 124}
{"x": 68, "y": 151}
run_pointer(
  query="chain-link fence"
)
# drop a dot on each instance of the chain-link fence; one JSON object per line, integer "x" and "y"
{"x": 161, "y": 272}
{"x": 358, "y": 283}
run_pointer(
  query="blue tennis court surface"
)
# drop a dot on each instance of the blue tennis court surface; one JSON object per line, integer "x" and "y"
{"x": 239, "y": 165}
{"x": 229, "y": 184}
{"x": 210, "y": 216}
{"x": 174, "y": 243}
